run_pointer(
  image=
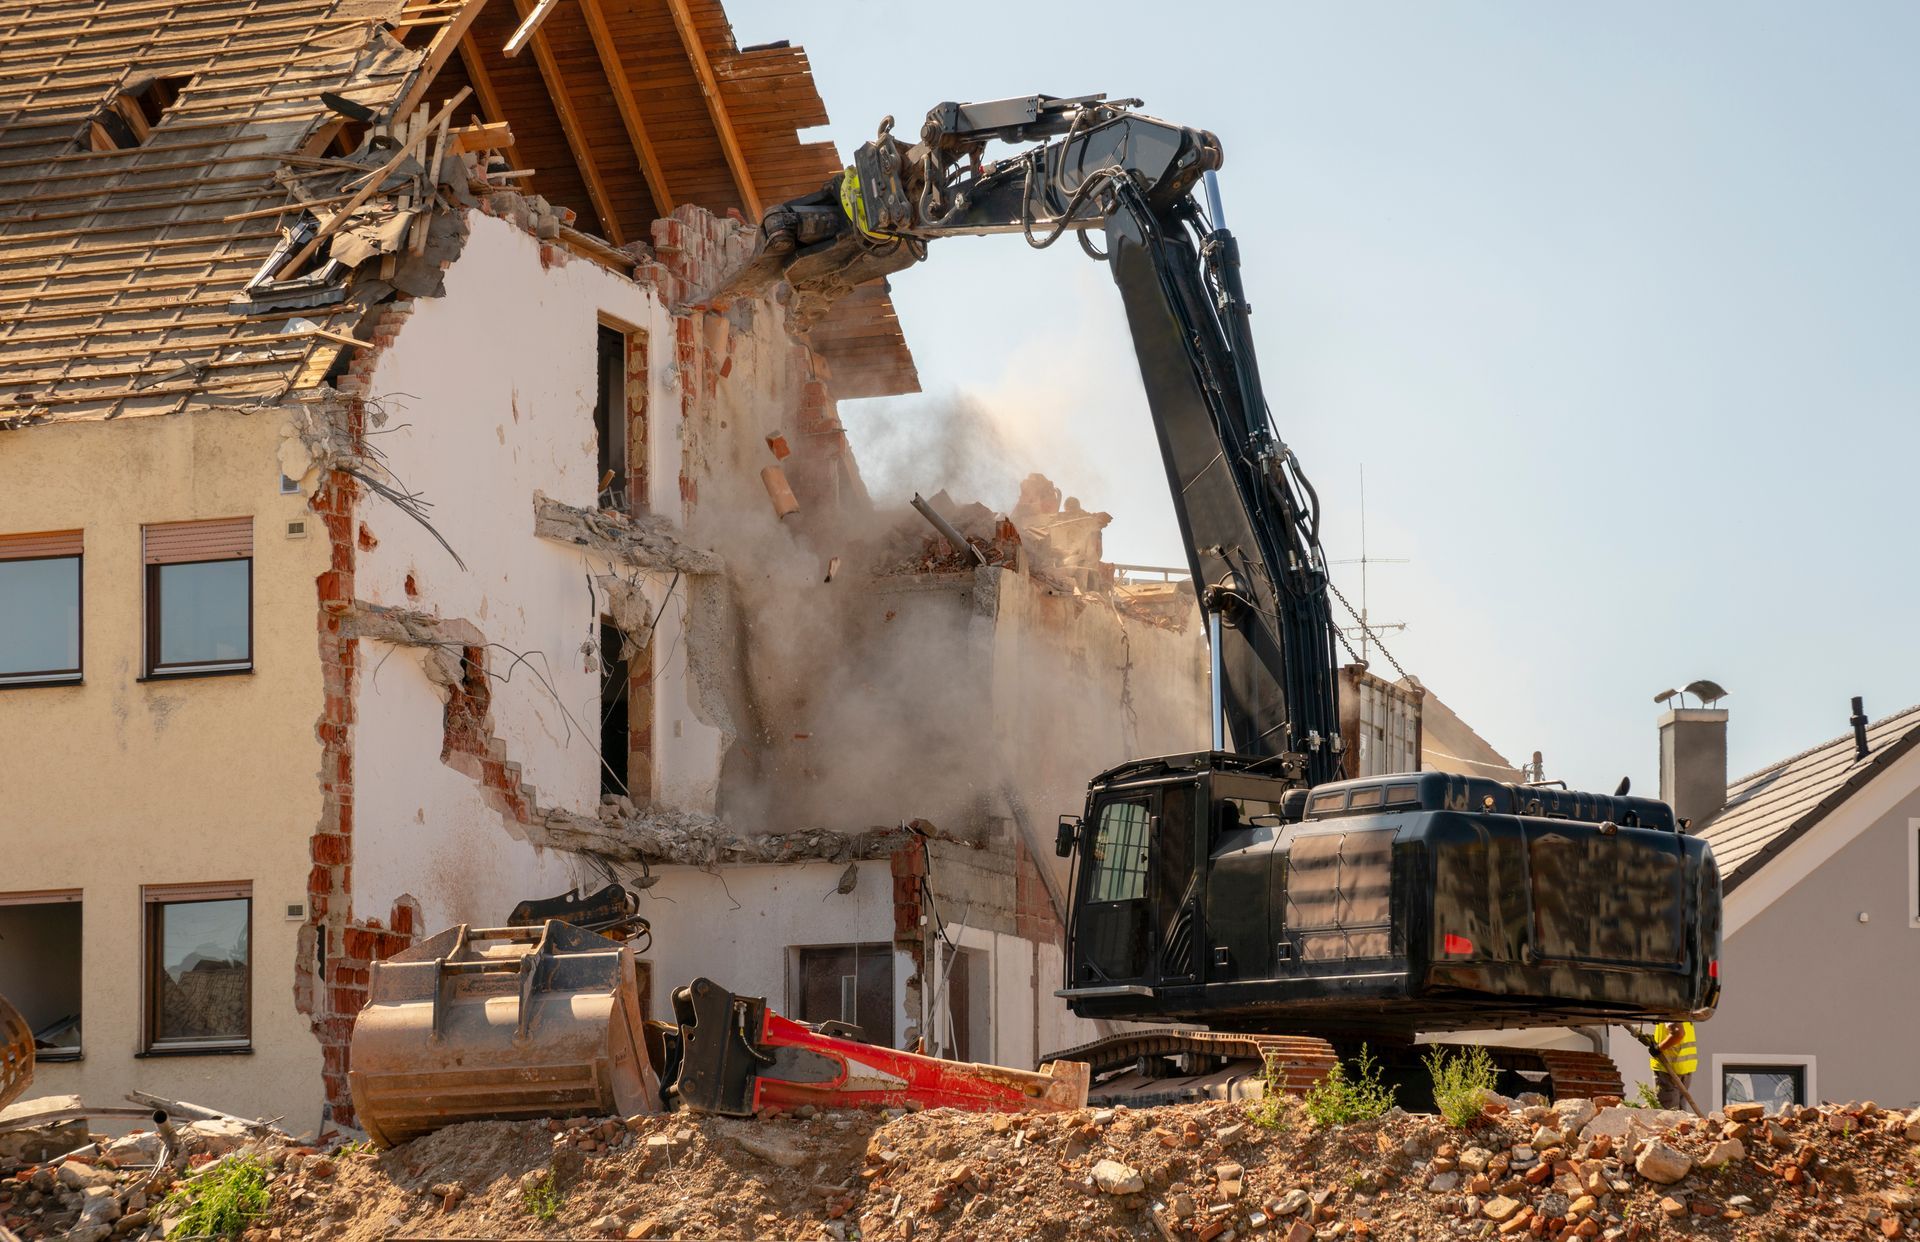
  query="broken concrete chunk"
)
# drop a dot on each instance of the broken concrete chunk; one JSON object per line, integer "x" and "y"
{"x": 1724, "y": 1152}
{"x": 645, "y": 541}
{"x": 1663, "y": 1164}
{"x": 1746, "y": 1112}
{"x": 1118, "y": 1179}
{"x": 1499, "y": 1208}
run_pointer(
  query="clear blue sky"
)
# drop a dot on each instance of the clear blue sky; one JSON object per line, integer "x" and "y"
{"x": 1617, "y": 305}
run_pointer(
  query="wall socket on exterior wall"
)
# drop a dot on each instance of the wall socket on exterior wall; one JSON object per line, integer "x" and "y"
{"x": 296, "y": 911}
{"x": 297, "y": 528}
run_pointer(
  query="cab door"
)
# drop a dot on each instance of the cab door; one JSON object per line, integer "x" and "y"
{"x": 1114, "y": 919}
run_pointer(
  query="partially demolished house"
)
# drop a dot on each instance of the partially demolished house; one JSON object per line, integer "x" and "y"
{"x": 391, "y": 530}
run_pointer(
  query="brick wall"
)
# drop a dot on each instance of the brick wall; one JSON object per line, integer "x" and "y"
{"x": 337, "y": 948}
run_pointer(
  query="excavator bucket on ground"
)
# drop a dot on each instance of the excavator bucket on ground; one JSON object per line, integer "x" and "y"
{"x": 500, "y": 1024}
{"x": 16, "y": 1053}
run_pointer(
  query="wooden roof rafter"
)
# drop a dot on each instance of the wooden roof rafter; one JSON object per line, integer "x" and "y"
{"x": 630, "y": 118}
{"x": 716, "y": 107}
{"x": 570, "y": 126}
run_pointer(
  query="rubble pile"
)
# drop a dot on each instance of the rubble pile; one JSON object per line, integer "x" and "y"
{"x": 1190, "y": 1173}
{"x": 1047, "y": 536}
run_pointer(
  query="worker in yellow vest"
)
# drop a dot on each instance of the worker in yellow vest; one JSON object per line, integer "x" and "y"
{"x": 1673, "y": 1067}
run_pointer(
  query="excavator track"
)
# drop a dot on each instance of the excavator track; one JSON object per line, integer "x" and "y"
{"x": 1198, "y": 1065}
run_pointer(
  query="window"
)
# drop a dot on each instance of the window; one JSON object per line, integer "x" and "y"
{"x": 847, "y": 983}
{"x": 130, "y": 116}
{"x": 1913, "y": 873}
{"x": 40, "y": 608}
{"x": 1779, "y": 1082}
{"x": 610, "y": 416}
{"x": 40, "y": 968}
{"x": 1120, "y": 853}
{"x": 199, "y": 597}
{"x": 615, "y": 732}
{"x": 199, "y": 979}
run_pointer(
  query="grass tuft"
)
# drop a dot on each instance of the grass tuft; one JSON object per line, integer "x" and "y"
{"x": 1340, "y": 1099}
{"x": 542, "y": 1199}
{"x": 1461, "y": 1080}
{"x": 220, "y": 1200}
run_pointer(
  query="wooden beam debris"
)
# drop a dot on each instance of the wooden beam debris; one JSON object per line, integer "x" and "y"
{"x": 529, "y": 26}
{"x": 366, "y": 191}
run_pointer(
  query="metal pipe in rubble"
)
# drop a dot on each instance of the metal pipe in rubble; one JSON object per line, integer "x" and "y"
{"x": 948, "y": 531}
{"x": 1219, "y": 708}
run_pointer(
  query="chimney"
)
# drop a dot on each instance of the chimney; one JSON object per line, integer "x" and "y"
{"x": 1693, "y": 761}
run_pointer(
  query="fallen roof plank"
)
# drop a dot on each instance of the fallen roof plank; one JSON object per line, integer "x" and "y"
{"x": 529, "y": 26}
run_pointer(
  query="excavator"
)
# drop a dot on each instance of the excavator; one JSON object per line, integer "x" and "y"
{"x": 1259, "y": 910}
{"x": 1253, "y": 917}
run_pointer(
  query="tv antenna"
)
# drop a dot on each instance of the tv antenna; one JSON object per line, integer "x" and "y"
{"x": 1369, "y": 630}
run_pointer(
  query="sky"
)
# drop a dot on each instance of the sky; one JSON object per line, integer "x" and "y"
{"x": 1617, "y": 307}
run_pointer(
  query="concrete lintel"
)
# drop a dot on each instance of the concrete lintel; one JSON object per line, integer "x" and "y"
{"x": 664, "y": 836}
{"x": 644, "y": 542}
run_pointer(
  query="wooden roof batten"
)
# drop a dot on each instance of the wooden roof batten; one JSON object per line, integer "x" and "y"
{"x": 716, "y": 107}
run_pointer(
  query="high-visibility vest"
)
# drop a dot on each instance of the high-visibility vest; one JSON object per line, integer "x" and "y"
{"x": 1684, "y": 1056}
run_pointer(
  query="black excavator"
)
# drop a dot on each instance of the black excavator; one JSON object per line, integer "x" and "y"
{"x": 1249, "y": 890}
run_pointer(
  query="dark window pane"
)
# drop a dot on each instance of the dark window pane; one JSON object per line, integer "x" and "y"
{"x": 40, "y": 616}
{"x": 200, "y": 970}
{"x": 203, "y": 612}
{"x": 850, "y": 984}
{"x": 1779, "y": 1087}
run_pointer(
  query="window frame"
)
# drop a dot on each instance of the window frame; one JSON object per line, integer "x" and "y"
{"x": 1138, "y": 874}
{"x": 153, "y": 899}
{"x": 1913, "y": 873}
{"x": 1721, "y": 1062}
{"x": 59, "y": 897}
{"x": 57, "y": 677}
{"x": 155, "y": 670}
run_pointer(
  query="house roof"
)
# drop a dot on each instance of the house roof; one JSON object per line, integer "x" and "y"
{"x": 1770, "y": 809}
{"x": 119, "y": 267}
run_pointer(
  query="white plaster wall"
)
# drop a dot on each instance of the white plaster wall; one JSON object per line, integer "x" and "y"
{"x": 489, "y": 394}
{"x": 735, "y": 926}
{"x": 431, "y": 835}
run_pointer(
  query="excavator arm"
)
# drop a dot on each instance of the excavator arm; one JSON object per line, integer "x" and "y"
{"x": 1247, "y": 515}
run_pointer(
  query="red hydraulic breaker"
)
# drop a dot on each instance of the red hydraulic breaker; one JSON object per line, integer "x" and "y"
{"x": 736, "y": 1059}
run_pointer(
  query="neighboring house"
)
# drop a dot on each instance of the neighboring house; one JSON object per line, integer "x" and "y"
{"x": 351, "y": 590}
{"x": 1819, "y": 860}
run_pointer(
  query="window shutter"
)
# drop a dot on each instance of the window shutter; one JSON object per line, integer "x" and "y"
{"x": 218, "y": 891}
{"x": 169, "y": 543}
{"x": 45, "y": 543}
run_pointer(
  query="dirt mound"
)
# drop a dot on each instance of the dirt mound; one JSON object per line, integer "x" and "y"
{"x": 1206, "y": 1173}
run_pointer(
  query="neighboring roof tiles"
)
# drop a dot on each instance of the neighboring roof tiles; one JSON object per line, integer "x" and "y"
{"x": 1772, "y": 808}
{"x": 118, "y": 268}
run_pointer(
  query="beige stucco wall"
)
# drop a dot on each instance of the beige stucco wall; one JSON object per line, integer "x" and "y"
{"x": 117, "y": 783}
